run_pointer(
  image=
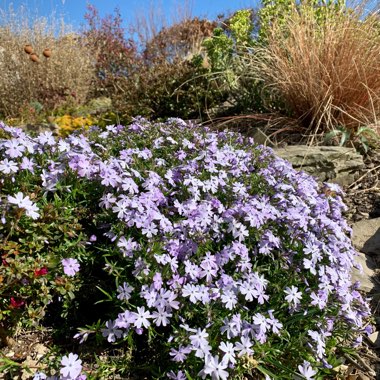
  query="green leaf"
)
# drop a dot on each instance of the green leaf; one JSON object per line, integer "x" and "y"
{"x": 334, "y": 133}
{"x": 266, "y": 372}
{"x": 345, "y": 137}
{"x": 109, "y": 297}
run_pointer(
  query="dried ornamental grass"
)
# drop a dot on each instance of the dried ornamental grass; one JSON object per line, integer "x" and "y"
{"x": 64, "y": 77}
{"x": 327, "y": 73}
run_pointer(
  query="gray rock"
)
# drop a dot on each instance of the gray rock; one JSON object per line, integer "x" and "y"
{"x": 366, "y": 275}
{"x": 374, "y": 338}
{"x": 42, "y": 127}
{"x": 260, "y": 137}
{"x": 328, "y": 163}
{"x": 366, "y": 239}
{"x": 366, "y": 236}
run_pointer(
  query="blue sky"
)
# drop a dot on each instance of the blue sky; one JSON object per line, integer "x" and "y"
{"x": 73, "y": 10}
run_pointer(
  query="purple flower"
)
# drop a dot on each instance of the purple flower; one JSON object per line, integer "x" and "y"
{"x": 274, "y": 323}
{"x": 319, "y": 342}
{"x": 229, "y": 352}
{"x": 293, "y": 296}
{"x": 142, "y": 317}
{"x": 124, "y": 291}
{"x": 161, "y": 317}
{"x": 70, "y": 266}
{"x": 46, "y": 138}
{"x": 214, "y": 368}
{"x": 180, "y": 355}
{"x": 71, "y": 366}
{"x": 13, "y": 148}
{"x": 39, "y": 376}
{"x": 27, "y": 164}
{"x": 244, "y": 347}
{"x": 25, "y": 203}
{"x": 127, "y": 246}
{"x": 306, "y": 370}
{"x": 107, "y": 200}
{"x": 229, "y": 298}
{"x": 125, "y": 320}
{"x": 8, "y": 167}
{"x": 157, "y": 281}
{"x": 111, "y": 332}
{"x": 232, "y": 327}
{"x": 199, "y": 339}
{"x": 180, "y": 375}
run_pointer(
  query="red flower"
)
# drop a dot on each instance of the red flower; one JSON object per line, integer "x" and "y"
{"x": 40, "y": 272}
{"x": 16, "y": 304}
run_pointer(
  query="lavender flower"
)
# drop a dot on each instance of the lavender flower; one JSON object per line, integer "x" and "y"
{"x": 25, "y": 203}
{"x": 229, "y": 352}
{"x": 142, "y": 318}
{"x": 306, "y": 370}
{"x": 8, "y": 166}
{"x": 124, "y": 291}
{"x": 244, "y": 346}
{"x": 180, "y": 375}
{"x": 293, "y": 296}
{"x": 71, "y": 366}
{"x": 214, "y": 368}
{"x": 111, "y": 332}
{"x": 213, "y": 232}
{"x": 39, "y": 376}
{"x": 70, "y": 266}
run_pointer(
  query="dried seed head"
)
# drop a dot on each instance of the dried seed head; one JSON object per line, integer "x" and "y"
{"x": 28, "y": 49}
{"x": 34, "y": 57}
{"x": 47, "y": 53}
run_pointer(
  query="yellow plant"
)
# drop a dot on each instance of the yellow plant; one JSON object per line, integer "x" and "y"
{"x": 67, "y": 123}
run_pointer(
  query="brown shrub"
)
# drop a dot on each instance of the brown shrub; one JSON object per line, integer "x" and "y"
{"x": 115, "y": 56}
{"x": 179, "y": 42}
{"x": 168, "y": 82}
{"x": 50, "y": 82}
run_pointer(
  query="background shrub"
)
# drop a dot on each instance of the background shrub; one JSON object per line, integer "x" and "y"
{"x": 26, "y": 87}
{"x": 115, "y": 55}
{"x": 171, "y": 80}
{"x": 150, "y": 74}
{"x": 279, "y": 11}
{"x": 225, "y": 52}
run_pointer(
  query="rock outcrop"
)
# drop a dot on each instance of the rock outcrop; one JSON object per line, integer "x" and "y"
{"x": 366, "y": 239}
{"x": 328, "y": 163}
{"x": 39, "y": 128}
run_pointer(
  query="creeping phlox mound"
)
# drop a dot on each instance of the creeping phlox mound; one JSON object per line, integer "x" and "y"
{"x": 217, "y": 259}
